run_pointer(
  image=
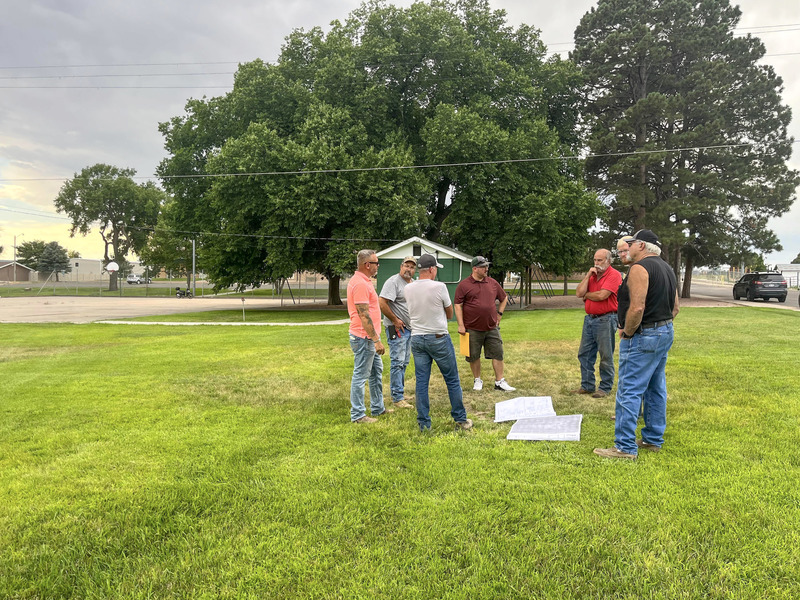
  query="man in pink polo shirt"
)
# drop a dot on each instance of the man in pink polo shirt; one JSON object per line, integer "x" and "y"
{"x": 365, "y": 340}
{"x": 598, "y": 289}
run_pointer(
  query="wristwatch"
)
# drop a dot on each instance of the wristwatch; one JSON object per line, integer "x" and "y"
{"x": 499, "y": 313}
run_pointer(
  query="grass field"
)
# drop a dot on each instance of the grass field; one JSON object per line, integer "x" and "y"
{"x": 208, "y": 462}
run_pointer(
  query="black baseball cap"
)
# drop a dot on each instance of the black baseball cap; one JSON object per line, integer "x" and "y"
{"x": 643, "y": 235}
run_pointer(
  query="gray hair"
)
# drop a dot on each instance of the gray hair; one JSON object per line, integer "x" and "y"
{"x": 364, "y": 255}
{"x": 652, "y": 248}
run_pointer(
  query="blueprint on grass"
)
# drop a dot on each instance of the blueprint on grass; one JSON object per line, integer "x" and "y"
{"x": 564, "y": 428}
{"x": 524, "y": 407}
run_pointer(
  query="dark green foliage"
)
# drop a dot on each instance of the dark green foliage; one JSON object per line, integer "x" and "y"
{"x": 431, "y": 84}
{"x": 28, "y": 253}
{"x": 123, "y": 211}
{"x": 54, "y": 259}
{"x": 671, "y": 75}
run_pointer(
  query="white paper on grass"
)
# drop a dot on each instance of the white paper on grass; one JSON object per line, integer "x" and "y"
{"x": 524, "y": 407}
{"x": 563, "y": 428}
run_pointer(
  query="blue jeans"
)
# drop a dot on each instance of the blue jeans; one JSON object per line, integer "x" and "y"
{"x": 598, "y": 337}
{"x": 427, "y": 349}
{"x": 400, "y": 355}
{"x": 368, "y": 366}
{"x": 642, "y": 360}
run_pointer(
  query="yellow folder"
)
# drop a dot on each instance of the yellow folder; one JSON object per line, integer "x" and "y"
{"x": 463, "y": 346}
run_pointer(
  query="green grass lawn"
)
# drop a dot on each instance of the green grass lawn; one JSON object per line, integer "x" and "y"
{"x": 208, "y": 462}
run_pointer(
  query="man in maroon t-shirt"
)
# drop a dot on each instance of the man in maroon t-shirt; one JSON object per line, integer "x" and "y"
{"x": 598, "y": 289}
{"x": 478, "y": 314}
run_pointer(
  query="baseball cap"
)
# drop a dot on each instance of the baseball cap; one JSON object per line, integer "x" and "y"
{"x": 643, "y": 235}
{"x": 480, "y": 261}
{"x": 410, "y": 259}
{"x": 426, "y": 261}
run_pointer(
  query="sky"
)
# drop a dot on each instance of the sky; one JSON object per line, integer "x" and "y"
{"x": 147, "y": 58}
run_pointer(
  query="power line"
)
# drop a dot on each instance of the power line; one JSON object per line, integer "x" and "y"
{"x": 411, "y": 167}
{"x": 114, "y": 75}
{"x": 34, "y": 214}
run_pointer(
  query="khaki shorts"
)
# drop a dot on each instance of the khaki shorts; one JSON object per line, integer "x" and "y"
{"x": 490, "y": 341}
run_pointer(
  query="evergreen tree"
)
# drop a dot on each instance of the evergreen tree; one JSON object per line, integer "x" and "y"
{"x": 687, "y": 130}
{"x": 54, "y": 259}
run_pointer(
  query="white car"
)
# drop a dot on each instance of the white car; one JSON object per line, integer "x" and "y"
{"x": 136, "y": 279}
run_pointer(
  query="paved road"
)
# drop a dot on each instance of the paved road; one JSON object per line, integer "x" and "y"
{"x": 87, "y": 309}
{"x": 702, "y": 289}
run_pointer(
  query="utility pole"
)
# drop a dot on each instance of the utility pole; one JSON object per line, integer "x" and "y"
{"x": 194, "y": 274}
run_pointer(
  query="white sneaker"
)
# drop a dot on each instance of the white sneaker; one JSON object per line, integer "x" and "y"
{"x": 503, "y": 385}
{"x": 478, "y": 385}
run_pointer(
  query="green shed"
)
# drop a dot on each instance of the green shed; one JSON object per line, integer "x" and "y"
{"x": 455, "y": 265}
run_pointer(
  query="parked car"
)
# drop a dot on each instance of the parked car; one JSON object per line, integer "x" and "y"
{"x": 761, "y": 285}
{"x": 136, "y": 279}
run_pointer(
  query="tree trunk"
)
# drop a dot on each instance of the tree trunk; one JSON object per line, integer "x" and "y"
{"x": 687, "y": 278}
{"x": 334, "y": 298}
{"x": 566, "y": 286}
{"x": 112, "y": 282}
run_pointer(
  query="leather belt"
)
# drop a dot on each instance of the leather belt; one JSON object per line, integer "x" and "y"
{"x": 654, "y": 325}
{"x": 603, "y": 315}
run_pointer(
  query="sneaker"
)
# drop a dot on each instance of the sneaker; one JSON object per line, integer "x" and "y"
{"x": 613, "y": 453}
{"x": 403, "y": 404}
{"x": 366, "y": 419}
{"x": 503, "y": 385}
{"x": 386, "y": 411}
{"x": 478, "y": 385}
{"x": 465, "y": 425}
{"x": 599, "y": 394}
{"x": 646, "y": 446}
{"x": 580, "y": 391}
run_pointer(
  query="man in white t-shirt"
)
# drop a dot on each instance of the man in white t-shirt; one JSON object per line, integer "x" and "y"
{"x": 429, "y": 308}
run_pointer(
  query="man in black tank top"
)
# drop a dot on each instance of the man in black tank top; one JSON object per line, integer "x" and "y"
{"x": 646, "y": 335}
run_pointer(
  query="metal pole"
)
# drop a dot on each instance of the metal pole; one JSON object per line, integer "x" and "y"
{"x": 194, "y": 275}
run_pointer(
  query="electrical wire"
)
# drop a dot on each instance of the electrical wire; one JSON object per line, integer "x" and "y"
{"x": 411, "y": 167}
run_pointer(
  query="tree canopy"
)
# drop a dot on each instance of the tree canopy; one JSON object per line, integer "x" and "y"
{"x": 29, "y": 253}
{"x": 686, "y": 127}
{"x": 123, "y": 211}
{"x": 312, "y": 155}
{"x": 54, "y": 259}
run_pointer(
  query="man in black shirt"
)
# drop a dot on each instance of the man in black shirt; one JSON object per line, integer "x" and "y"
{"x": 646, "y": 335}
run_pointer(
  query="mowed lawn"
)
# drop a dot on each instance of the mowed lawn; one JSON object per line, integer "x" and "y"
{"x": 219, "y": 462}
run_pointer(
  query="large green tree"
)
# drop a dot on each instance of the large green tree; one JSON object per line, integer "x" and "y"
{"x": 687, "y": 129}
{"x": 123, "y": 211}
{"x": 431, "y": 84}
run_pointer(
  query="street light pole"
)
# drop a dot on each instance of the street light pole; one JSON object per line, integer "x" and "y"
{"x": 15, "y": 256}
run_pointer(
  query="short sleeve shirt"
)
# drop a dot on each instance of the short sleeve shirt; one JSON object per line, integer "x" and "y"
{"x": 610, "y": 280}
{"x": 427, "y": 300}
{"x": 361, "y": 291}
{"x": 477, "y": 299}
{"x": 393, "y": 292}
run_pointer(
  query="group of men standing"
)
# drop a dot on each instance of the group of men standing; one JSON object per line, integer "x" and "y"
{"x": 640, "y": 310}
{"x": 415, "y": 315}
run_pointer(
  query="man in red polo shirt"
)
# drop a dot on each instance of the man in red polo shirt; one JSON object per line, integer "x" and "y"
{"x": 478, "y": 314}
{"x": 598, "y": 289}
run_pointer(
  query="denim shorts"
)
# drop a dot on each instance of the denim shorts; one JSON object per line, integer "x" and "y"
{"x": 490, "y": 341}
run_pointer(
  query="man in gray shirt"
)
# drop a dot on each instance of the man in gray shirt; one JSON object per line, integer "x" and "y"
{"x": 429, "y": 308}
{"x": 398, "y": 331}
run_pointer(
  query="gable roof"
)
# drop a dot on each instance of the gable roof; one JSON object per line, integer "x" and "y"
{"x": 8, "y": 263}
{"x": 428, "y": 247}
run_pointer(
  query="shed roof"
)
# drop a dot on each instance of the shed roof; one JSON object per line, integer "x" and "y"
{"x": 7, "y": 263}
{"x": 428, "y": 247}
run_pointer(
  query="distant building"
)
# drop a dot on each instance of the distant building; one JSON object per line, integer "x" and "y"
{"x": 13, "y": 271}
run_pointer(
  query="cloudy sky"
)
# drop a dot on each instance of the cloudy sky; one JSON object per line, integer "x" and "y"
{"x": 88, "y": 81}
